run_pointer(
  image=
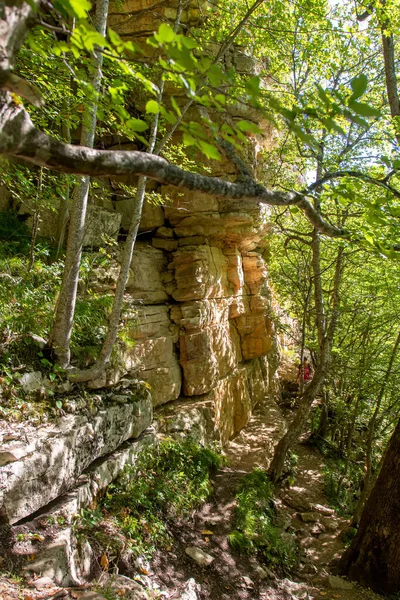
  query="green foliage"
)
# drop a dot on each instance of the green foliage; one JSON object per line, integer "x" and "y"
{"x": 28, "y": 296}
{"x": 255, "y": 521}
{"x": 166, "y": 483}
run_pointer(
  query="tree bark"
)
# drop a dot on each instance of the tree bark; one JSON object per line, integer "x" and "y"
{"x": 61, "y": 332}
{"x": 373, "y": 557}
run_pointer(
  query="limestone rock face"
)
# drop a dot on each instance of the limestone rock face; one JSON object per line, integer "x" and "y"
{"x": 200, "y": 312}
{"x": 50, "y": 463}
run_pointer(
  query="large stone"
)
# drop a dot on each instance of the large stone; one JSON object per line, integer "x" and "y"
{"x": 337, "y": 583}
{"x": 52, "y": 462}
{"x": 123, "y": 587}
{"x": 100, "y": 225}
{"x": 145, "y": 278}
{"x": 235, "y": 396}
{"x": 194, "y": 418}
{"x": 34, "y": 381}
{"x": 199, "y": 272}
{"x": 153, "y": 354}
{"x": 62, "y": 556}
{"x": 255, "y": 332}
{"x": 190, "y": 590}
{"x": 207, "y": 356}
{"x": 165, "y": 383}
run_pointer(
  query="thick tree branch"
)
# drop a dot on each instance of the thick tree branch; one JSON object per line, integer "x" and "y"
{"x": 19, "y": 138}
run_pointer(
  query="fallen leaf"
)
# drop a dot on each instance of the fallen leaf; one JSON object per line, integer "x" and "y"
{"x": 37, "y": 536}
{"x": 336, "y": 595}
{"x": 104, "y": 562}
{"x": 207, "y": 532}
{"x": 31, "y": 557}
{"x": 121, "y": 592}
{"x": 144, "y": 571}
{"x": 323, "y": 593}
{"x": 28, "y": 597}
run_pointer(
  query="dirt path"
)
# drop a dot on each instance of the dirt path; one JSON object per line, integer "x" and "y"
{"x": 303, "y": 507}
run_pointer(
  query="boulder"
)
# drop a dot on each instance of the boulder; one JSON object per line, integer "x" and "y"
{"x": 337, "y": 583}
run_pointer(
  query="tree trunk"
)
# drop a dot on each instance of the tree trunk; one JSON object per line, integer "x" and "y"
{"x": 373, "y": 557}
{"x": 61, "y": 332}
{"x": 296, "y": 427}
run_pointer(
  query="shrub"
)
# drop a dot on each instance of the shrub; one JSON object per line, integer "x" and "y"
{"x": 166, "y": 483}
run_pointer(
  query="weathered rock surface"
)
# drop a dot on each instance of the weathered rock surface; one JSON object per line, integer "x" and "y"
{"x": 199, "y": 309}
{"x": 50, "y": 462}
{"x": 337, "y": 583}
{"x": 55, "y": 551}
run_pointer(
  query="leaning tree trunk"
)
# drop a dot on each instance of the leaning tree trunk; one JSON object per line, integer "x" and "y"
{"x": 115, "y": 316}
{"x": 297, "y": 425}
{"x": 61, "y": 332}
{"x": 373, "y": 557}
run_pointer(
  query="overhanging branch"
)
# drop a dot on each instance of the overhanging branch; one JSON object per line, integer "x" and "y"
{"x": 19, "y": 138}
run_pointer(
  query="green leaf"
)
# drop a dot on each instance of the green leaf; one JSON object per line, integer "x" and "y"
{"x": 323, "y": 95}
{"x": 209, "y": 150}
{"x": 365, "y": 110}
{"x": 248, "y": 126}
{"x": 188, "y": 140}
{"x": 358, "y": 85}
{"x": 114, "y": 38}
{"x": 369, "y": 238}
{"x": 165, "y": 33}
{"x": 136, "y": 125}
{"x": 188, "y": 42}
{"x": 175, "y": 106}
{"x": 152, "y": 107}
{"x": 252, "y": 86}
{"x": 75, "y": 8}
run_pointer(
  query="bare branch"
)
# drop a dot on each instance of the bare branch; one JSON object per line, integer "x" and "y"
{"x": 357, "y": 175}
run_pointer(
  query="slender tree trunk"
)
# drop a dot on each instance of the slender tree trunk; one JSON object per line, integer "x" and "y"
{"x": 300, "y": 419}
{"x": 63, "y": 211}
{"x": 391, "y": 79}
{"x": 373, "y": 557}
{"x": 61, "y": 332}
{"x": 35, "y": 220}
{"x": 113, "y": 324}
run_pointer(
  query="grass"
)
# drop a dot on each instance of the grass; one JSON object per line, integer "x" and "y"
{"x": 256, "y": 531}
{"x": 165, "y": 484}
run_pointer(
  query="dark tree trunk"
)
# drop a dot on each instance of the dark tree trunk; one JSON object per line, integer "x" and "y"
{"x": 373, "y": 558}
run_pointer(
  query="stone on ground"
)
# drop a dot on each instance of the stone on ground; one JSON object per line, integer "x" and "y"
{"x": 190, "y": 590}
{"x": 201, "y": 558}
{"x": 337, "y": 583}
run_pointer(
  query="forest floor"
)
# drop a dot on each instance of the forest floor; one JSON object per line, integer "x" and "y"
{"x": 302, "y": 507}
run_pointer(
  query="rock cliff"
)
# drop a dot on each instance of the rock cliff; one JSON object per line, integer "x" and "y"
{"x": 203, "y": 326}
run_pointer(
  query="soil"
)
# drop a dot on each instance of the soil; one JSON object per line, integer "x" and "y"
{"x": 303, "y": 507}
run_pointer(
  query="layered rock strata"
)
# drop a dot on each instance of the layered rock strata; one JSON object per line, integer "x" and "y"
{"x": 50, "y": 460}
{"x": 200, "y": 307}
